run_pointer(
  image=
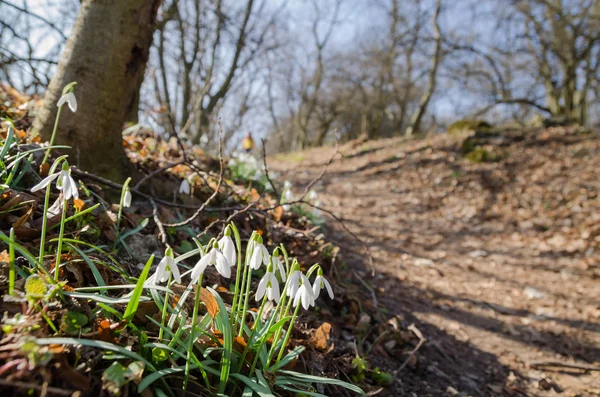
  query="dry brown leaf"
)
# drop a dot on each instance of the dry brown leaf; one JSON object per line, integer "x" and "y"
{"x": 321, "y": 338}
{"x": 79, "y": 204}
{"x": 23, "y": 219}
{"x": 212, "y": 307}
{"x": 44, "y": 168}
{"x": 254, "y": 196}
{"x": 4, "y": 257}
{"x": 277, "y": 212}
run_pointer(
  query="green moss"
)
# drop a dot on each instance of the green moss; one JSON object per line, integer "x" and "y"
{"x": 482, "y": 155}
{"x": 468, "y": 125}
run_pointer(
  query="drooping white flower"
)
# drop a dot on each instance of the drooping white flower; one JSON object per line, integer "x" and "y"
{"x": 278, "y": 265}
{"x": 227, "y": 246}
{"x": 260, "y": 255}
{"x": 70, "y": 99}
{"x": 269, "y": 285}
{"x": 65, "y": 183}
{"x": 127, "y": 198}
{"x": 288, "y": 196}
{"x": 213, "y": 257}
{"x": 320, "y": 283}
{"x": 312, "y": 195}
{"x": 167, "y": 267}
{"x": 293, "y": 283}
{"x": 287, "y": 185}
{"x": 184, "y": 188}
{"x": 304, "y": 294}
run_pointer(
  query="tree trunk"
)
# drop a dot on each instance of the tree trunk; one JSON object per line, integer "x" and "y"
{"x": 106, "y": 54}
{"x": 415, "y": 122}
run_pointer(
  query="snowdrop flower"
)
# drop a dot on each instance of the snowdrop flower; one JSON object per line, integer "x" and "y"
{"x": 65, "y": 183}
{"x": 320, "y": 283}
{"x": 294, "y": 280}
{"x": 278, "y": 265}
{"x": 227, "y": 246}
{"x": 127, "y": 198}
{"x": 304, "y": 294}
{"x": 184, "y": 188}
{"x": 69, "y": 99}
{"x": 288, "y": 196}
{"x": 312, "y": 195}
{"x": 287, "y": 185}
{"x": 259, "y": 256}
{"x": 166, "y": 268}
{"x": 269, "y": 285}
{"x": 213, "y": 257}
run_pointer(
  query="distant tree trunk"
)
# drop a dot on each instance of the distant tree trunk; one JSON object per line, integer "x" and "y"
{"x": 106, "y": 54}
{"x": 415, "y": 121}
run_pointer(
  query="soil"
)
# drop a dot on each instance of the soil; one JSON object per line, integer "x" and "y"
{"x": 496, "y": 264}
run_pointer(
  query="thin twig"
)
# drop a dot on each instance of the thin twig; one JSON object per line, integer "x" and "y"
{"x": 159, "y": 224}
{"x": 264, "y": 151}
{"x": 422, "y": 340}
{"x": 30, "y": 385}
{"x": 585, "y": 367}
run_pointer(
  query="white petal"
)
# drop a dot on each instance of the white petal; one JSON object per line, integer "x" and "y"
{"x": 261, "y": 289}
{"x": 62, "y": 100}
{"x": 65, "y": 185}
{"x": 200, "y": 267}
{"x": 73, "y": 187}
{"x": 317, "y": 286}
{"x": 222, "y": 265}
{"x": 294, "y": 283}
{"x": 255, "y": 259}
{"x": 45, "y": 182}
{"x": 127, "y": 199}
{"x": 297, "y": 298}
{"x": 328, "y": 287}
{"x": 306, "y": 283}
{"x": 266, "y": 257}
{"x": 184, "y": 187}
{"x": 306, "y": 297}
{"x": 228, "y": 247}
{"x": 280, "y": 268}
{"x": 72, "y": 101}
{"x": 161, "y": 271}
{"x": 175, "y": 271}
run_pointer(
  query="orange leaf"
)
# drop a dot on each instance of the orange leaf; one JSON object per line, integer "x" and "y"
{"x": 320, "y": 339}
{"x": 44, "y": 168}
{"x": 23, "y": 219}
{"x": 254, "y": 194}
{"x": 4, "y": 257}
{"x": 212, "y": 307}
{"x": 79, "y": 204}
{"x": 277, "y": 212}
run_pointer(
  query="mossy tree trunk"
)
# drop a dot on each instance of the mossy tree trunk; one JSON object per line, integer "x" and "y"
{"x": 106, "y": 54}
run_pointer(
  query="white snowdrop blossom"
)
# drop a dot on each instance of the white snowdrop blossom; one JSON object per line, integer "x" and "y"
{"x": 65, "y": 183}
{"x": 127, "y": 199}
{"x": 278, "y": 265}
{"x": 319, "y": 284}
{"x": 166, "y": 268}
{"x": 305, "y": 294}
{"x": 184, "y": 188}
{"x": 293, "y": 283}
{"x": 312, "y": 195}
{"x": 269, "y": 285}
{"x": 287, "y": 185}
{"x": 288, "y": 196}
{"x": 213, "y": 257}
{"x": 227, "y": 246}
{"x": 69, "y": 99}
{"x": 260, "y": 256}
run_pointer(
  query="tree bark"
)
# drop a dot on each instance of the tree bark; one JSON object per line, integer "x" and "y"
{"x": 415, "y": 122}
{"x": 106, "y": 54}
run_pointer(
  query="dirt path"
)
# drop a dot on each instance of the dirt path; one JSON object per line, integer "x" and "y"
{"x": 496, "y": 264}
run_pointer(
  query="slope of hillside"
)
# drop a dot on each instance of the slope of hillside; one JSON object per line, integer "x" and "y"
{"x": 497, "y": 264}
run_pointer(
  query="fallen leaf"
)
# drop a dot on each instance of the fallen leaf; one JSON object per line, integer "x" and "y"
{"x": 277, "y": 212}
{"x": 79, "y": 204}
{"x": 321, "y": 338}
{"x": 212, "y": 307}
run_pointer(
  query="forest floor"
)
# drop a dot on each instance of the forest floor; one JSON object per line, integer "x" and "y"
{"x": 496, "y": 264}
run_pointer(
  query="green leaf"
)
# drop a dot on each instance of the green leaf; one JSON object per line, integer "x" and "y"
{"x": 96, "y": 344}
{"x": 297, "y": 376}
{"x": 137, "y": 292}
{"x": 222, "y": 322}
{"x": 254, "y": 385}
{"x": 72, "y": 322}
{"x": 288, "y": 358}
{"x": 91, "y": 265}
{"x": 35, "y": 287}
{"x": 113, "y": 378}
{"x": 100, "y": 298}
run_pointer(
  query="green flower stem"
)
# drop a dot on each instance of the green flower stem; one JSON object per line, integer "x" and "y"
{"x": 60, "y": 238}
{"x": 246, "y": 298}
{"x": 53, "y": 135}
{"x": 262, "y": 342}
{"x": 191, "y": 345}
{"x": 123, "y": 190}
{"x": 288, "y": 334}
{"x": 251, "y": 337}
{"x": 164, "y": 312}
{"x": 238, "y": 244}
{"x": 284, "y": 310}
{"x": 44, "y": 224}
{"x": 11, "y": 254}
